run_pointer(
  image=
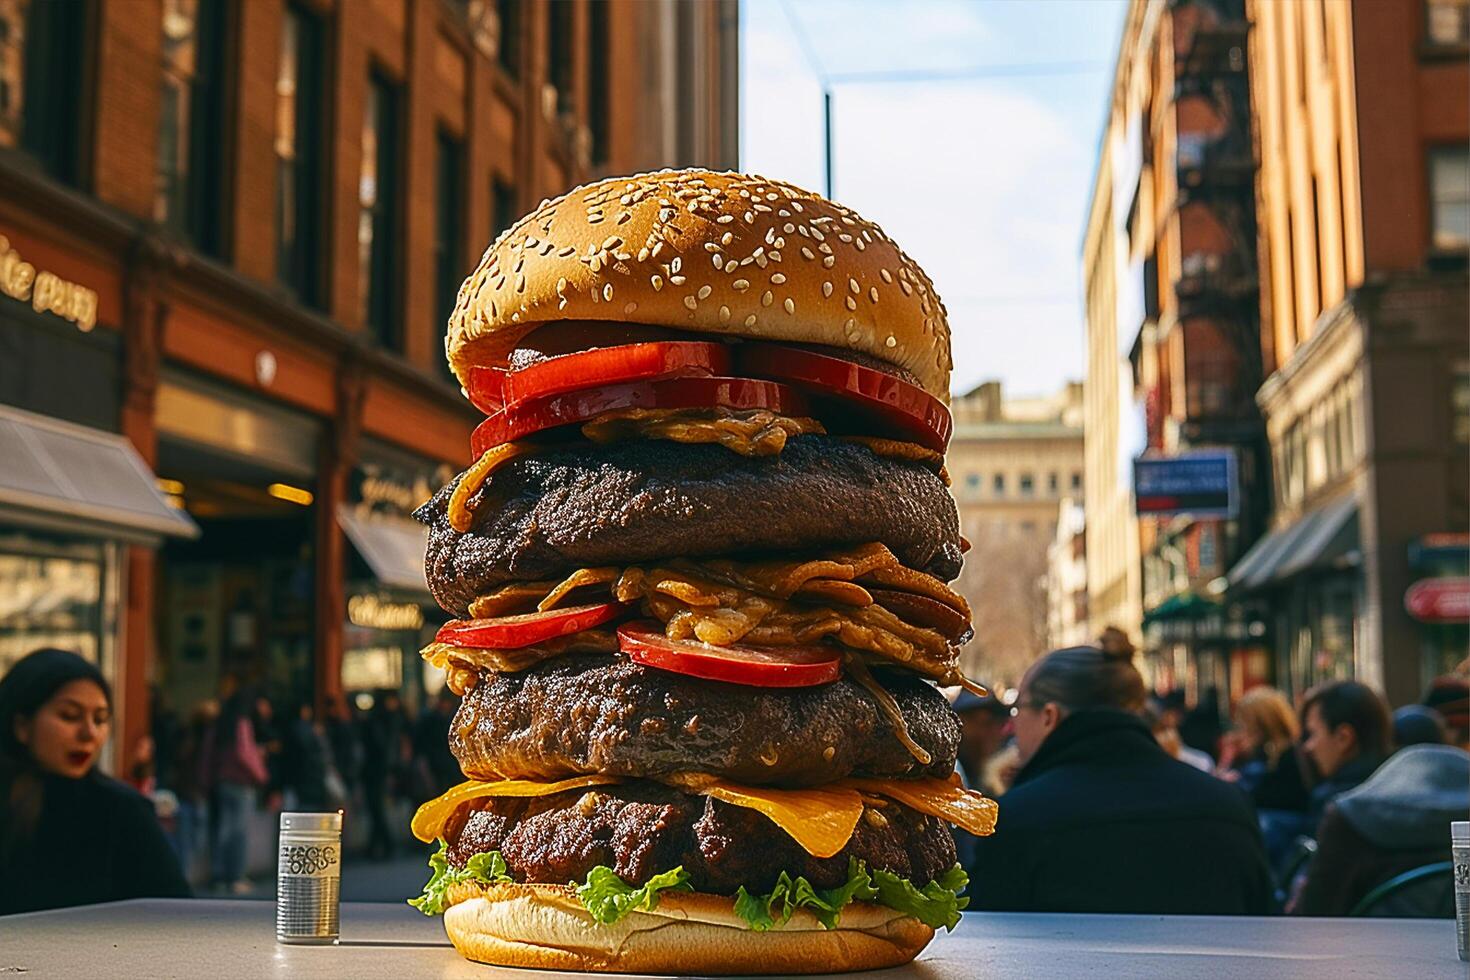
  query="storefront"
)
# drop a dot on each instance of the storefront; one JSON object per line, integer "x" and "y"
{"x": 390, "y": 615}
{"x": 1439, "y": 601}
{"x": 74, "y": 494}
{"x": 239, "y": 600}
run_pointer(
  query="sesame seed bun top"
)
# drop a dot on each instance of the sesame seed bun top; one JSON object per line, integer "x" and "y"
{"x": 701, "y": 251}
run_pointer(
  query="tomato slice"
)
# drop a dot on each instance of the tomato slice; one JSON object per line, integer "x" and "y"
{"x": 904, "y": 407}
{"x": 533, "y": 415}
{"x": 795, "y": 666}
{"x": 493, "y": 388}
{"x": 514, "y": 632}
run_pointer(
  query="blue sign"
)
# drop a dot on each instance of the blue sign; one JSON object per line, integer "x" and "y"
{"x": 1199, "y": 484}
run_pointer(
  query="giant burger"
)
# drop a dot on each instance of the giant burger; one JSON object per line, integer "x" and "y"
{"x": 698, "y": 567}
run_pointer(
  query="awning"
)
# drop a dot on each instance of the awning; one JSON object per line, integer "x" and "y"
{"x": 1319, "y": 539}
{"x": 64, "y": 477}
{"x": 1182, "y": 605}
{"x": 393, "y": 548}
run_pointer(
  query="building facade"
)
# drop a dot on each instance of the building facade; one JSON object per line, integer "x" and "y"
{"x": 1012, "y": 462}
{"x": 1363, "y": 120}
{"x": 1066, "y": 579}
{"x": 232, "y": 232}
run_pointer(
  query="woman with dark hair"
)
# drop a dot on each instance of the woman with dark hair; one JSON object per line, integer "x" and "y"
{"x": 68, "y": 834}
{"x": 1101, "y": 819}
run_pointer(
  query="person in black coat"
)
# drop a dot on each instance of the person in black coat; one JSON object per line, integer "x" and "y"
{"x": 68, "y": 834}
{"x": 1101, "y": 819}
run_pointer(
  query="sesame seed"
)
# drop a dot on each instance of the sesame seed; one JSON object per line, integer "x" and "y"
{"x": 520, "y": 283}
{"x": 852, "y": 284}
{"x": 718, "y": 260}
{"x": 741, "y": 284}
{"x": 761, "y": 260}
{"x": 778, "y": 278}
{"x": 851, "y": 303}
{"x": 727, "y": 238}
{"x": 859, "y": 243}
{"x": 873, "y": 293}
{"x": 788, "y": 227}
{"x": 887, "y": 276}
{"x": 826, "y": 289}
{"x": 829, "y": 260}
{"x": 630, "y": 307}
{"x": 677, "y": 280}
{"x": 704, "y": 292}
{"x": 766, "y": 298}
{"x": 607, "y": 292}
{"x": 657, "y": 248}
{"x": 807, "y": 253}
{"x": 750, "y": 320}
{"x": 711, "y": 247}
{"x": 724, "y": 314}
{"x": 643, "y": 254}
{"x": 724, "y": 219}
{"x": 531, "y": 241}
{"x": 561, "y": 284}
{"x": 790, "y": 305}
{"x": 676, "y": 265}
{"x": 774, "y": 256}
{"x": 844, "y": 238}
{"x": 892, "y": 341}
{"x": 624, "y": 216}
{"x": 907, "y": 289}
{"x": 691, "y": 302}
{"x": 611, "y": 241}
{"x": 658, "y": 283}
{"x": 770, "y": 235}
{"x": 593, "y": 219}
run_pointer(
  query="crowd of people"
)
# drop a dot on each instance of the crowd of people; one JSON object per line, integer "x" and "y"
{"x": 1114, "y": 799}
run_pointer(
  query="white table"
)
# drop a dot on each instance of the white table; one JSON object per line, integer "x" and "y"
{"x": 214, "y": 938}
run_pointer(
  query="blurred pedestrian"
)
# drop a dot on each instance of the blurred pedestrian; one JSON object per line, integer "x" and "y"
{"x": 346, "y": 742}
{"x": 1267, "y": 761}
{"x": 1396, "y": 820}
{"x": 1348, "y": 731}
{"x": 70, "y": 835}
{"x": 268, "y": 735}
{"x": 382, "y": 743}
{"x": 1450, "y": 696}
{"x": 1414, "y": 724}
{"x": 431, "y": 747}
{"x": 1168, "y": 738}
{"x": 1100, "y": 819}
{"x": 1200, "y": 728}
{"x": 191, "y": 822}
{"x": 234, "y": 770}
{"x": 306, "y": 762}
{"x": 984, "y": 723}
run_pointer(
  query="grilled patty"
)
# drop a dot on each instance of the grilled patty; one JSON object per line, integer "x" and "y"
{"x": 543, "y": 516}
{"x": 581, "y": 714}
{"x": 640, "y": 829}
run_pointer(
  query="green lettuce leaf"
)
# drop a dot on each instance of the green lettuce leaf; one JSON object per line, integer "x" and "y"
{"x": 609, "y": 897}
{"x": 936, "y": 904}
{"x": 488, "y": 868}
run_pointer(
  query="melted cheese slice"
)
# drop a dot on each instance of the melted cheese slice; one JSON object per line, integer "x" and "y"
{"x": 821, "y": 819}
{"x": 430, "y": 819}
{"x": 461, "y": 518}
{"x": 942, "y": 798}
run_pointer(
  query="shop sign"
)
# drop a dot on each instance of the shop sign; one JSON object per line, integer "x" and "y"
{"x": 1439, "y": 600}
{"x": 1446, "y": 552}
{"x": 1197, "y": 484}
{"x": 372, "y": 612}
{"x": 388, "y": 490}
{"x": 46, "y": 291}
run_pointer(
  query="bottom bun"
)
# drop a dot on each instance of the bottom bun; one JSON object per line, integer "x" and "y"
{"x": 547, "y": 927}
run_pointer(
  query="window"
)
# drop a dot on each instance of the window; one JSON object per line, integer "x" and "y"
{"x": 1447, "y": 22}
{"x": 972, "y": 482}
{"x": 378, "y": 197}
{"x": 41, "y": 83}
{"x": 1052, "y": 483}
{"x": 599, "y": 108}
{"x": 1076, "y": 480}
{"x": 559, "y": 52}
{"x": 448, "y": 227}
{"x": 188, "y": 182}
{"x": 298, "y": 154}
{"x": 1460, "y": 404}
{"x": 998, "y": 484}
{"x": 1028, "y": 484}
{"x": 510, "y": 30}
{"x": 503, "y": 206}
{"x": 1449, "y": 197}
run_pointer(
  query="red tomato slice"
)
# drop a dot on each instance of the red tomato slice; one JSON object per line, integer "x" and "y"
{"x": 493, "y": 388}
{"x": 514, "y": 632}
{"x": 795, "y": 666}
{"x": 485, "y": 386}
{"x": 533, "y": 415}
{"x": 907, "y": 408}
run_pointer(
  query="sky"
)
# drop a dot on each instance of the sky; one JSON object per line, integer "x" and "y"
{"x": 984, "y": 181}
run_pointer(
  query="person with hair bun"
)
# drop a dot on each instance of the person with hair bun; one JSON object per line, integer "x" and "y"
{"x": 1101, "y": 818}
{"x": 68, "y": 834}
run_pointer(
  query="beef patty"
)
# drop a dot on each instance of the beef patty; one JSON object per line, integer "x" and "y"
{"x": 543, "y": 516}
{"x": 591, "y": 713}
{"x": 640, "y": 829}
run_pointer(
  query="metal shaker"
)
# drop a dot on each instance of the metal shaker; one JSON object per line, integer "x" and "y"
{"x": 309, "y": 878}
{"x": 1460, "y": 848}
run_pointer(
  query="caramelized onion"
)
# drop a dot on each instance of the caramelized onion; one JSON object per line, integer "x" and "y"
{"x": 886, "y": 704}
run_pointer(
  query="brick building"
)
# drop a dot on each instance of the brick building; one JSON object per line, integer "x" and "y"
{"x": 232, "y": 233}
